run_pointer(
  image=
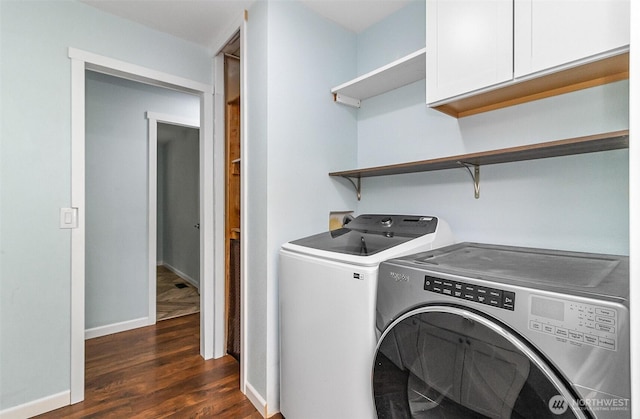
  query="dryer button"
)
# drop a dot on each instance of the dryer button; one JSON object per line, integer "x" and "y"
{"x": 606, "y": 312}
{"x": 591, "y": 339}
{"x": 606, "y": 320}
{"x": 508, "y": 300}
{"x": 605, "y": 328}
{"x": 607, "y": 343}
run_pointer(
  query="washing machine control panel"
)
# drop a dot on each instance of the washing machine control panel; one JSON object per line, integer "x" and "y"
{"x": 574, "y": 322}
{"x": 471, "y": 292}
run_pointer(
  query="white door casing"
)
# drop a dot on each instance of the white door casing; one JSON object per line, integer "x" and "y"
{"x": 238, "y": 25}
{"x": 81, "y": 61}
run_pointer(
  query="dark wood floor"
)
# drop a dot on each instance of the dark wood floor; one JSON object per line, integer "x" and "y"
{"x": 157, "y": 372}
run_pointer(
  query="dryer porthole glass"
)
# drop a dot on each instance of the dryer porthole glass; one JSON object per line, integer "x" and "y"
{"x": 454, "y": 363}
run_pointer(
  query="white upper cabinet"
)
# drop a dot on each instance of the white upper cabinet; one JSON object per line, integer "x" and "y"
{"x": 479, "y": 53}
{"x": 549, "y": 34}
{"x": 469, "y": 46}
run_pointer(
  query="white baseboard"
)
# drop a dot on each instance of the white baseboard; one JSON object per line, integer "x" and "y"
{"x": 116, "y": 328}
{"x": 256, "y": 399}
{"x": 182, "y": 275}
{"x": 37, "y": 407}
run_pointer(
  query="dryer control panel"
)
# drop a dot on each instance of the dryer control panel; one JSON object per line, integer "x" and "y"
{"x": 490, "y": 296}
{"x": 574, "y": 322}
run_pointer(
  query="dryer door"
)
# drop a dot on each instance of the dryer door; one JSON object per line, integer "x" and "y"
{"x": 453, "y": 362}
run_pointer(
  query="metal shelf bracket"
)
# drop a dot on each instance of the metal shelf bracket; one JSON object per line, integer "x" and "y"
{"x": 346, "y": 100}
{"x": 357, "y": 185}
{"x": 475, "y": 176}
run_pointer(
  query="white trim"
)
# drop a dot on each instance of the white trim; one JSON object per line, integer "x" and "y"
{"x": 256, "y": 399}
{"x": 152, "y": 216}
{"x": 152, "y": 198}
{"x": 110, "y": 329}
{"x": 230, "y": 32}
{"x": 164, "y": 118}
{"x": 244, "y": 242}
{"x": 182, "y": 275}
{"x": 81, "y": 61}
{"x": 135, "y": 72}
{"x": 37, "y": 407}
{"x": 219, "y": 142}
{"x": 211, "y": 234}
{"x": 77, "y": 234}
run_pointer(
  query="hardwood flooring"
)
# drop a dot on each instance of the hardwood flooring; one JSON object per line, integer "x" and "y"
{"x": 157, "y": 372}
{"x": 171, "y": 300}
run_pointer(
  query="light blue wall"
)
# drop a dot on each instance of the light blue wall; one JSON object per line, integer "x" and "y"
{"x": 254, "y": 169}
{"x": 35, "y": 178}
{"x": 116, "y": 193}
{"x": 394, "y": 37}
{"x": 576, "y": 203}
{"x": 297, "y": 135}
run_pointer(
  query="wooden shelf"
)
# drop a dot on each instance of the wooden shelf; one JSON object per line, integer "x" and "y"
{"x": 580, "y": 145}
{"x": 592, "y": 74}
{"x": 399, "y": 73}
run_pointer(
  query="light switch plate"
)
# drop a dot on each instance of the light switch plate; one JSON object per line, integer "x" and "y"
{"x": 68, "y": 217}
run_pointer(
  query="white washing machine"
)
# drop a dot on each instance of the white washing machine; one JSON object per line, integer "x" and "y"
{"x": 474, "y": 331}
{"x": 327, "y": 293}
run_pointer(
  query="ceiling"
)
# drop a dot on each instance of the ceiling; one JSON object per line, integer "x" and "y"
{"x": 203, "y": 21}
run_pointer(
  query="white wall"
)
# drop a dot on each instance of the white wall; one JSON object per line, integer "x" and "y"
{"x": 575, "y": 203}
{"x": 254, "y": 175}
{"x": 297, "y": 135}
{"x": 180, "y": 204}
{"x": 634, "y": 188}
{"x": 35, "y": 174}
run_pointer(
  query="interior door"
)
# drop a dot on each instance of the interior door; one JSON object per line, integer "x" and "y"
{"x": 449, "y": 362}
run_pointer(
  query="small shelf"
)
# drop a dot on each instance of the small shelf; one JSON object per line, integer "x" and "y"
{"x": 580, "y": 145}
{"x": 399, "y": 73}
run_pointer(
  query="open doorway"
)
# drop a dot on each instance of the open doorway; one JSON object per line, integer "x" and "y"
{"x": 82, "y": 61}
{"x": 231, "y": 57}
{"x": 119, "y": 202}
{"x": 178, "y": 222}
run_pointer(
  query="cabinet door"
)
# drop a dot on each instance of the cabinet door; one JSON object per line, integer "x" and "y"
{"x": 553, "y": 33}
{"x": 469, "y": 46}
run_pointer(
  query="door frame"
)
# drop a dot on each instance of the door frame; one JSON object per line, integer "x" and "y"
{"x": 153, "y": 119}
{"x": 237, "y": 25}
{"x": 81, "y": 61}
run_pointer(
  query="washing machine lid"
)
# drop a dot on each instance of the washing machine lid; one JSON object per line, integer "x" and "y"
{"x": 369, "y": 234}
{"x": 545, "y": 269}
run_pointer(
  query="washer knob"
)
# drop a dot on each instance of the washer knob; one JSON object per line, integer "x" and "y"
{"x": 386, "y": 221}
